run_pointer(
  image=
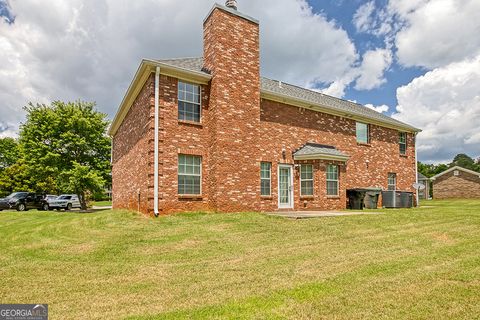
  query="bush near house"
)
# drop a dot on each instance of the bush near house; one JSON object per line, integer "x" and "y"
{"x": 409, "y": 263}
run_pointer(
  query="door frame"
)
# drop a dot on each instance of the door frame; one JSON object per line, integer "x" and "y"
{"x": 291, "y": 193}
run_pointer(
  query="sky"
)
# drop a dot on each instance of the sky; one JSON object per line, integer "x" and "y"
{"x": 415, "y": 60}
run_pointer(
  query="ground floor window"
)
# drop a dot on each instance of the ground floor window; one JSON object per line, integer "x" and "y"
{"x": 306, "y": 180}
{"x": 392, "y": 181}
{"x": 189, "y": 175}
{"x": 332, "y": 180}
{"x": 265, "y": 178}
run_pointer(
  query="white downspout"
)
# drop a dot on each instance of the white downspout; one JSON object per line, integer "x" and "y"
{"x": 416, "y": 171}
{"x": 155, "y": 169}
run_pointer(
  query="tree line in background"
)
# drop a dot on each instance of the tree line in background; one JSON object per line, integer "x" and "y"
{"x": 62, "y": 148}
{"x": 462, "y": 160}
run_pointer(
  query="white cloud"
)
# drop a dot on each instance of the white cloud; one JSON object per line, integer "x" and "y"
{"x": 439, "y": 32}
{"x": 474, "y": 139}
{"x": 381, "y": 109}
{"x": 445, "y": 103}
{"x": 90, "y": 49}
{"x": 371, "y": 72}
{"x": 363, "y": 18}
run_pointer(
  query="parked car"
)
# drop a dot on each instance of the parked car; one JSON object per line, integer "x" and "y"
{"x": 50, "y": 197}
{"x": 65, "y": 201}
{"x": 23, "y": 201}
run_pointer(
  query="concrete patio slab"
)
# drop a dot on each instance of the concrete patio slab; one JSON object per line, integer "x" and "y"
{"x": 320, "y": 214}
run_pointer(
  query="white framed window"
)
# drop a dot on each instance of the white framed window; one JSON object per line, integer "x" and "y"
{"x": 306, "y": 180}
{"x": 402, "y": 142}
{"x": 265, "y": 178}
{"x": 189, "y": 105}
{"x": 332, "y": 180}
{"x": 189, "y": 175}
{"x": 392, "y": 181}
{"x": 456, "y": 173}
{"x": 363, "y": 134}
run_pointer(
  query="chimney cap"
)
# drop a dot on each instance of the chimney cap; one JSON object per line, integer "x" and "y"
{"x": 231, "y": 4}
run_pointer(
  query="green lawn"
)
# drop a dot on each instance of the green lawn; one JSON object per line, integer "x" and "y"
{"x": 410, "y": 264}
{"x": 101, "y": 203}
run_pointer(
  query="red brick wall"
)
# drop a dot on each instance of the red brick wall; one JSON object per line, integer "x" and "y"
{"x": 238, "y": 131}
{"x": 132, "y": 170}
{"x": 464, "y": 186}
{"x": 287, "y": 127}
{"x": 180, "y": 137}
{"x": 231, "y": 53}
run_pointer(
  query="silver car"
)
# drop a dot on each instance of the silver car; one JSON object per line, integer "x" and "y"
{"x": 65, "y": 201}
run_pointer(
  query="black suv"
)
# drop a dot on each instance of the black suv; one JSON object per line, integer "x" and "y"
{"x": 23, "y": 201}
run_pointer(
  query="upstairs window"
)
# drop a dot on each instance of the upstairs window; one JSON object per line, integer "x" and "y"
{"x": 332, "y": 180}
{"x": 363, "y": 133}
{"x": 402, "y": 143}
{"x": 265, "y": 178}
{"x": 306, "y": 180}
{"x": 189, "y": 175}
{"x": 189, "y": 107}
{"x": 392, "y": 181}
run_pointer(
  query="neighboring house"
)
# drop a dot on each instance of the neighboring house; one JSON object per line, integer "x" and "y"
{"x": 425, "y": 193}
{"x": 456, "y": 183}
{"x": 212, "y": 134}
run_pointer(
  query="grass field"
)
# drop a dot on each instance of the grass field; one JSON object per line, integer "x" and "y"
{"x": 410, "y": 264}
{"x": 101, "y": 203}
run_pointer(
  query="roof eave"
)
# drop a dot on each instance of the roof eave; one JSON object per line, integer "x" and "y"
{"x": 141, "y": 76}
{"x": 321, "y": 156}
{"x": 298, "y": 102}
{"x": 453, "y": 169}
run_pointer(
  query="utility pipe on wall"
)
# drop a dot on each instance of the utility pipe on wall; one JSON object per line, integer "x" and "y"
{"x": 416, "y": 171}
{"x": 155, "y": 161}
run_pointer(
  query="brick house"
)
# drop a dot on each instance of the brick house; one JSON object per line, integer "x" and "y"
{"x": 211, "y": 134}
{"x": 456, "y": 183}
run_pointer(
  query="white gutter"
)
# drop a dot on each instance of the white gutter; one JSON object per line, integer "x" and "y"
{"x": 416, "y": 171}
{"x": 155, "y": 161}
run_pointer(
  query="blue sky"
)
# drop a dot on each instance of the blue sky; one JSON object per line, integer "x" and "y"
{"x": 342, "y": 11}
{"x": 419, "y": 58}
{"x": 5, "y": 12}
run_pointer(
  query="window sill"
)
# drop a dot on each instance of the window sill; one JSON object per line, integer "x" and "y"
{"x": 190, "y": 123}
{"x": 403, "y": 156}
{"x": 307, "y": 197}
{"x": 190, "y": 197}
{"x": 364, "y": 144}
{"x": 266, "y": 197}
{"x": 333, "y": 197}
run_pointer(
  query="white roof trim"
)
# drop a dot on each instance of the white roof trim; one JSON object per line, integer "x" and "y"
{"x": 456, "y": 168}
{"x": 144, "y": 70}
{"x": 299, "y": 102}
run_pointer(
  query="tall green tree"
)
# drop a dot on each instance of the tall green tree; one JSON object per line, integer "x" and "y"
{"x": 9, "y": 153}
{"x": 58, "y": 140}
{"x": 463, "y": 161}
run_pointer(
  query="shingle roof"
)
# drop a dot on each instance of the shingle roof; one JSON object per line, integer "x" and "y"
{"x": 314, "y": 149}
{"x": 194, "y": 64}
{"x": 456, "y": 168}
{"x": 295, "y": 92}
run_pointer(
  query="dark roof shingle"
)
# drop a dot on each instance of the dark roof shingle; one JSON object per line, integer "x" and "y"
{"x": 316, "y": 98}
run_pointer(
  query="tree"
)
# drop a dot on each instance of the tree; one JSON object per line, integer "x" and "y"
{"x": 8, "y": 152}
{"x": 62, "y": 140}
{"x": 16, "y": 178}
{"x": 463, "y": 161}
{"x": 80, "y": 179}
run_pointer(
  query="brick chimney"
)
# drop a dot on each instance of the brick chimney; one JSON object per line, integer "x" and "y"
{"x": 232, "y": 55}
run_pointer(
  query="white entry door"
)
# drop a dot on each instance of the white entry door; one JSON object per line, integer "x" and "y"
{"x": 285, "y": 187}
